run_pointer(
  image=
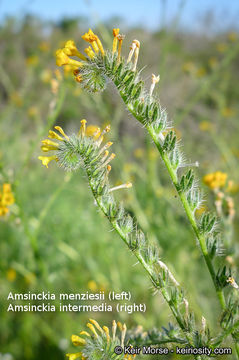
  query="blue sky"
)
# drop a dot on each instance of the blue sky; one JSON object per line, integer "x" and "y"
{"x": 151, "y": 13}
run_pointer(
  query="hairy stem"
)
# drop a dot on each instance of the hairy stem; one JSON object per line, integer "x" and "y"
{"x": 146, "y": 266}
{"x": 189, "y": 213}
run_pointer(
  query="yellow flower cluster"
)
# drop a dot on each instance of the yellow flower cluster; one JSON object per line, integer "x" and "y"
{"x": 215, "y": 180}
{"x": 11, "y": 274}
{"x": 98, "y": 332}
{"x": 70, "y": 49}
{"x": 95, "y": 46}
{"x": 49, "y": 145}
{"x": 6, "y": 199}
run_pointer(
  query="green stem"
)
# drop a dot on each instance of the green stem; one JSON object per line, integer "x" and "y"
{"x": 145, "y": 266}
{"x": 191, "y": 217}
{"x": 228, "y": 332}
{"x": 237, "y": 348}
{"x": 189, "y": 213}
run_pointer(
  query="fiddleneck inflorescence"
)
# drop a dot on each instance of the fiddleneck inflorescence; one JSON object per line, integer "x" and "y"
{"x": 142, "y": 103}
{"x": 92, "y": 74}
{"x": 88, "y": 150}
{"x": 99, "y": 343}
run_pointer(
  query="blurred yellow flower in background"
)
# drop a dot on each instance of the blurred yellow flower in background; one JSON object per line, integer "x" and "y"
{"x": 11, "y": 274}
{"x": 92, "y": 286}
{"x": 16, "y": 99}
{"x": 232, "y": 187}
{"x": 215, "y": 180}
{"x": 212, "y": 62}
{"x": 32, "y": 60}
{"x": 205, "y": 125}
{"x": 153, "y": 154}
{"x": 128, "y": 167}
{"x": 189, "y": 67}
{"x": 32, "y": 111}
{"x": 30, "y": 278}
{"x": 232, "y": 36}
{"x": 228, "y": 112}
{"x": 6, "y": 199}
{"x": 139, "y": 153}
{"x": 201, "y": 71}
{"x": 44, "y": 46}
{"x": 46, "y": 76}
{"x": 221, "y": 47}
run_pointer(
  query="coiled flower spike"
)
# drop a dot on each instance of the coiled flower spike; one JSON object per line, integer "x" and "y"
{"x": 82, "y": 150}
{"x": 98, "y": 344}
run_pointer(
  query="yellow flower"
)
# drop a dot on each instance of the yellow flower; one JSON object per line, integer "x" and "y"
{"x": 32, "y": 60}
{"x": 7, "y": 188}
{"x": 213, "y": 62}
{"x": 232, "y": 36}
{"x": 128, "y": 167}
{"x": 49, "y": 145}
{"x": 16, "y": 99}
{"x": 77, "y": 341}
{"x": 215, "y": 180}
{"x": 201, "y": 72}
{"x": 69, "y": 69}
{"x": 54, "y": 135}
{"x": 205, "y": 126}
{"x": 92, "y": 285}
{"x": 11, "y": 275}
{"x": 48, "y": 142}
{"x": 102, "y": 335}
{"x": 46, "y": 76}
{"x": 94, "y": 41}
{"x": 74, "y": 356}
{"x": 153, "y": 154}
{"x": 78, "y": 78}
{"x": 30, "y": 278}
{"x": 44, "y": 46}
{"x": 227, "y": 112}
{"x": 115, "y": 32}
{"x": 115, "y": 40}
{"x": 232, "y": 187}
{"x": 221, "y": 47}
{"x": 189, "y": 67}
{"x": 139, "y": 153}
{"x": 46, "y": 159}
{"x": 32, "y": 111}
{"x": 3, "y": 211}
{"x": 89, "y": 36}
{"x": 63, "y": 59}
{"x": 93, "y": 130}
{"x": 71, "y": 50}
{"x": 6, "y": 199}
{"x": 89, "y": 52}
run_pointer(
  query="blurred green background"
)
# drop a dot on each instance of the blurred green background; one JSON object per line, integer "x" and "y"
{"x": 54, "y": 238}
